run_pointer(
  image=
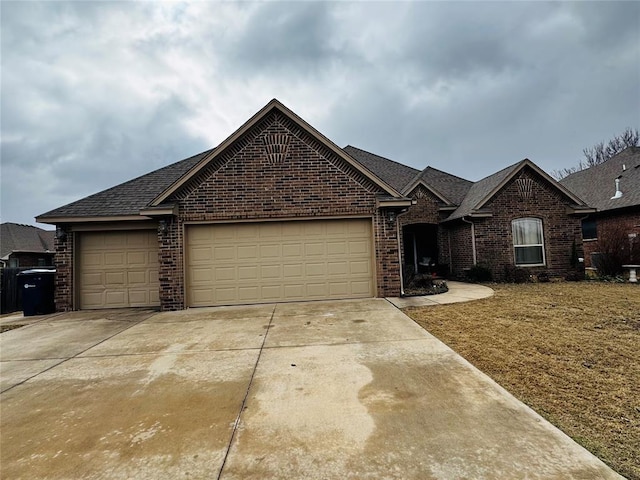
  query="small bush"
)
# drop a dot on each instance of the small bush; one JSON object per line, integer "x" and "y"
{"x": 479, "y": 273}
{"x": 543, "y": 277}
{"x": 516, "y": 275}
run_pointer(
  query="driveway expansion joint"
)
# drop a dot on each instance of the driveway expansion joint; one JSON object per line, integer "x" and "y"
{"x": 76, "y": 355}
{"x": 236, "y": 423}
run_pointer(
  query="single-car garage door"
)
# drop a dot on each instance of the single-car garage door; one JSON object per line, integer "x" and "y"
{"x": 279, "y": 261}
{"x": 118, "y": 269}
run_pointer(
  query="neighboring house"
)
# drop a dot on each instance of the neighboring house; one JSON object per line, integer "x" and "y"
{"x": 278, "y": 212}
{"x": 613, "y": 189}
{"x": 25, "y": 246}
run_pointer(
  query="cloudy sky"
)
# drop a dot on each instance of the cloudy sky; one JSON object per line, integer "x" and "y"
{"x": 96, "y": 93}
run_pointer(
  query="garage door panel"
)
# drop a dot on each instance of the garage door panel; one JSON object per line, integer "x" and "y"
{"x": 294, "y": 292}
{"x": 223, "y": 274}
{"x": 116, "y": 299}
{"x": 315, "y": 270}
{"x": 338, "y": 268}
{"x": 115, "y": 278}
{"x": 137, "y": 277}
{"x": 92, "y": 279}
{"x": 221, "y": 254}
{"x": 314, "y": 249}
{"x": 339, "y": 288}
{"x": 137, "y": 258}
{"x": 338, "y": 248}
{"x": 291, "y": 251}
{"x": 317, "y": 290}
{"x": 293, "y": 271}
{"x": 248, "y": 273}
{"x": 357, "y": 268}
{"x": 247, "y": 252}
{"x": 279, "y": 261}
{"x": 358, "y": 247}
{"x": 360, "y": 288}
{"x": 118, "y": 269}
{"x": 138, "y": 298}
{"x": 270, "y": 251}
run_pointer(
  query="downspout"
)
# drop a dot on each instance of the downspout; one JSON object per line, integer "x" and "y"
{"x": 450, "y": 255}
{"x": 400, "y": 249}
{"x": 473, "y": 239}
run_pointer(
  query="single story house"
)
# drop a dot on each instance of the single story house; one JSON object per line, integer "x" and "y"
{"x": 613, "y": 189}
{"x": 25, "y": 246}
{"x": 278, "y": 212}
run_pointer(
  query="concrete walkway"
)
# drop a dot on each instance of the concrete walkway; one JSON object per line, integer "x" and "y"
{"x": 458, "y": 292}
{"x": 324, "y": 390}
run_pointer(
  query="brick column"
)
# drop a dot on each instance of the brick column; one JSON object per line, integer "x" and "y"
{"x": 63, "y": 261}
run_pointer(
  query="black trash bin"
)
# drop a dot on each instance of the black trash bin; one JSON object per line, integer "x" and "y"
{"x": 37, "y": 291}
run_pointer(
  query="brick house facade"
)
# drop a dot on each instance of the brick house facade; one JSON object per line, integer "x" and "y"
{"x": 277, "y": 173}
{"x": 493, "y": 235}
{"x": 613, "y": 189}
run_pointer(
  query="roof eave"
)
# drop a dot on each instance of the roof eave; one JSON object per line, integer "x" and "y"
{"x": 160, "y": 210}
{"x": 580, "y": 210}
{"x": 394, "y": 202}
{"x": 90, "y": 219}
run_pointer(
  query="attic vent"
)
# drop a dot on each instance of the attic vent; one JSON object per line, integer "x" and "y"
{"x": 276, "y": 146}
{"x": 525, "y": 187}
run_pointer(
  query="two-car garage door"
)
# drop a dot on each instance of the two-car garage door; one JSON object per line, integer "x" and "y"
{"x": 278, "y": 261}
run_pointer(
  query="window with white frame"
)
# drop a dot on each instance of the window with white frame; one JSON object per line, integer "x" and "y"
{"x": 528, "y": 242}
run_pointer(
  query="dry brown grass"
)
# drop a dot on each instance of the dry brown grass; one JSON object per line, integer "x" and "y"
{"x": 571, "y": 351}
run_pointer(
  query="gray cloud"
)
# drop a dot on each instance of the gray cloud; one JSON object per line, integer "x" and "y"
{"x": 95, "y": 93}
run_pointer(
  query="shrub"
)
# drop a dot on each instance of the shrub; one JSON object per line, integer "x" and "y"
{"x": 516, "y": 275}
{"x": 479, "y": 273}
{"x": 615, "y": 249}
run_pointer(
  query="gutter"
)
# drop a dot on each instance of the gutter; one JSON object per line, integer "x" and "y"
{"x": 473, "y": 240}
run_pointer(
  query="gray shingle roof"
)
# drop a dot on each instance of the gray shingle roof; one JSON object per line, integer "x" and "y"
{"x": 15, "y": 237}
{"x": 481, "y": 189}
{"x": 127, "y": 198}
{"x": 452, "y": 187}
{"x": 596, "y": 185}
{"x": 393, "y": 173}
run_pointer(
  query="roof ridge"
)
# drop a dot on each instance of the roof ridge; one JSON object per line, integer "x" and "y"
{"x": 447, "y": 173}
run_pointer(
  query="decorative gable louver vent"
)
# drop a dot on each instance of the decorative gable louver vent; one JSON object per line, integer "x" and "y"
{"x": 420, "y": 193}
{"x": 525, "y": 187}
{"x": 276, "y": 146}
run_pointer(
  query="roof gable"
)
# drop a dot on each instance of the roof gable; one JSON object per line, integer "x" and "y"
{"x": 449, "y": 188}
{"x": 484, "y": 190}
{"x": 596, "y": 185}
{"x": 295, "y": 125}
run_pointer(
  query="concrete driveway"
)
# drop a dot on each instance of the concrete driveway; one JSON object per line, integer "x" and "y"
{"x": 324, "y": 390}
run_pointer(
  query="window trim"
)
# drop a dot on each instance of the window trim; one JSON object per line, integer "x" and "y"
{"x": 537, "y": 221}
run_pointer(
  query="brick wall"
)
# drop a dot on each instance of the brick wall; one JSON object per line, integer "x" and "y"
{"x": 302, "y": 179}
{"x": 459, "y": 244}
{"x": 494, "y": 243}
{"x": 63, "y": 262}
